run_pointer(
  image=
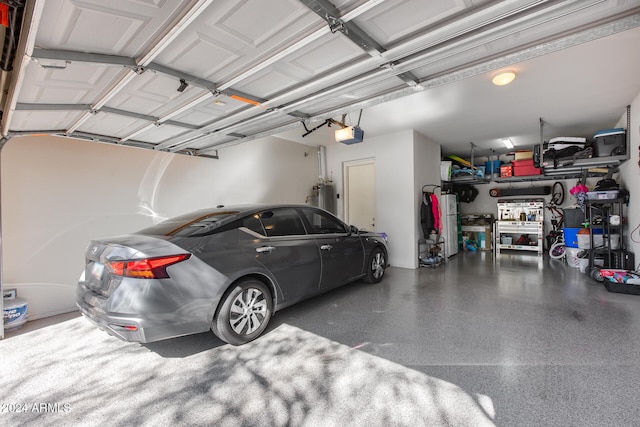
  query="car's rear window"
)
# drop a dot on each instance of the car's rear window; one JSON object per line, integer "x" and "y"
{"x": 194, "y": 223}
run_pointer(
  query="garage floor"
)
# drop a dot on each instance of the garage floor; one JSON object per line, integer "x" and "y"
{"x": 523, "y": 341}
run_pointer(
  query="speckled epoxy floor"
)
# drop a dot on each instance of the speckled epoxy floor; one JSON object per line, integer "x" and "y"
{"x": 523, "y": 341}
{"x": 545, "y": 343}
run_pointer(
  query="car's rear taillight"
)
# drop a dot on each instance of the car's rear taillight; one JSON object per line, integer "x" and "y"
{"x": 149, "y": 268}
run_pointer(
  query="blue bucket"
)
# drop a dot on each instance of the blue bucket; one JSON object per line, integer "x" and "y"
{"x": 15, "y": 313}
{"x": 571, "y": 236}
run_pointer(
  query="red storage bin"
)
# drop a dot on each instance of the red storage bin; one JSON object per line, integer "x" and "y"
{"x": 506, "y": 171}
{"x": 524, "y": 168}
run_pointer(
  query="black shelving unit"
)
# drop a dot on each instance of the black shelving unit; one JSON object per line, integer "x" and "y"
{"x": 599, "y": 212}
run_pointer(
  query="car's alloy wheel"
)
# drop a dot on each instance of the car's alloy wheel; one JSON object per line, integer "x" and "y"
{"x": 244, "y": 313}
{"x": 376, "y": 266}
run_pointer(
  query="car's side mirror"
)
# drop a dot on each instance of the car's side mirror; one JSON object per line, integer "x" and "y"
{"x": 353, "y": 229}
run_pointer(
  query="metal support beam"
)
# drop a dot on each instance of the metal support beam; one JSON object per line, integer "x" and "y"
{"x": 192, "y": 80}
{"x": 24, "y": 106}
{"x": 3, "y": 142}
{"x": 73, "y": 56}
{"x": 327, "y": 11}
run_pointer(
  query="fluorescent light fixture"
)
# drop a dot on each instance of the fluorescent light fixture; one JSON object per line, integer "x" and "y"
{"x": 503, "y": 78}
{"x": 349, "y": 135}
{"x": 507, "y": 143}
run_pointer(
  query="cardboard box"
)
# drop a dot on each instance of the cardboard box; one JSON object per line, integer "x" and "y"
{"x": 479, "y": 234}
{"x": 506, "y": 171}
{"x": 524, "y": 155}
{"x": 525, "y": 168}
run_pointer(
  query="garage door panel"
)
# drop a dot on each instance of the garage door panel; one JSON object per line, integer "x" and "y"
{"x": 77, "y": 83}
{"x": 229, "y": 38}
{"x": 47, "y": 120}
{"x": 132, "y": 25}
{"x": 112, "y": 124}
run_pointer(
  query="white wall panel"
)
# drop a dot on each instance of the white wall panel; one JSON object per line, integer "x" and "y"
{"x": 427, "y": 171}
{"x": 395, "y": 188}
{"x": 58, "y": 193}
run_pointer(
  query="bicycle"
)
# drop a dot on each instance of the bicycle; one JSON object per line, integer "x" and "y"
{"x": 555, "y": 239}
{"x": 557, "y": 249}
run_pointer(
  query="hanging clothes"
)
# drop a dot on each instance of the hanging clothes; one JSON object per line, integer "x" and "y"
{"x": 437, "y": 214}
{"x": 426, "y": 215}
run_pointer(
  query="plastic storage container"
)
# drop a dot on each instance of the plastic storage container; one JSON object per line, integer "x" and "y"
{"x": 506, "y": 240}
{"x": 610, "y": 142}
{"x": 571, "y": 236}
{"x": 506, "y": 171}
{"x": 492, "y": 167}
{"x": 602, "y": 195}
{"x": 525, "y": 168}
{"x": 584, "y": 240}
{"x": 622, "y": 281}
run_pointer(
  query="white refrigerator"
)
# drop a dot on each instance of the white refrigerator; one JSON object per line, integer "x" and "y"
{"x": 449, "y": 212}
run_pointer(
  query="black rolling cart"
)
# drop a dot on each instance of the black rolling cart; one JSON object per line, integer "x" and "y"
{"x": 607, "y": 250}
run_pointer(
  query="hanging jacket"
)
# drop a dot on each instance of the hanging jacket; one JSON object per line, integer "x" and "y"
{"x": 437, "y": 214}
{"x": 426, "y": 216}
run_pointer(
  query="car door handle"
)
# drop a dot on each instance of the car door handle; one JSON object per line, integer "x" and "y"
{"x": 326, "y": 247}
{"x": 265, "y": 249}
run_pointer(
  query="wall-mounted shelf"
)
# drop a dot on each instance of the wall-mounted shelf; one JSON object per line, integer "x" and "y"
{"x": 567, "y": 168}
{"x": 470, "y": 180}
{"x": 578, "y": 166}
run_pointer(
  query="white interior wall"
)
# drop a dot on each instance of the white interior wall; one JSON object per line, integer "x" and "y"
{"x": 485, "y": 204}
{"x": 427, "y": 171}
{"x": 395, "y": 188}
{"x": 59, "y": 193}
{"x": 630, "y": 178}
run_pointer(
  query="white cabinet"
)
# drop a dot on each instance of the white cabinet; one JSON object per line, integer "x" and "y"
{"x": 520, "y": 226}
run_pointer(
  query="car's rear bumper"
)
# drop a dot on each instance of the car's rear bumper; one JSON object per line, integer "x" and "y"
{"x": 132, "y": 327}
{"x": 127, "y": 329}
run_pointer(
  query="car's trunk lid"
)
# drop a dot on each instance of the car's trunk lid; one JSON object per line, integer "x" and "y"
{"x": 100, "y": 253}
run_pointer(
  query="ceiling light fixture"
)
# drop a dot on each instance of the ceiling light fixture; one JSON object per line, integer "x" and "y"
{"x": 504, "y": 78}
{"x": 507, "y": 143}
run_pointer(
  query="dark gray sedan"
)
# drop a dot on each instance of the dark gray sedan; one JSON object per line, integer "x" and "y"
{"x": 226, "y": 269}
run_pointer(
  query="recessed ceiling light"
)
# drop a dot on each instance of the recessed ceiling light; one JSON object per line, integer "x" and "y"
{"x": 503, "y": 78}
{"x": 220, "y": 103}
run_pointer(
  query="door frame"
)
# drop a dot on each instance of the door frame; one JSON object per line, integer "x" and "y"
{"x": 345, "y": 182}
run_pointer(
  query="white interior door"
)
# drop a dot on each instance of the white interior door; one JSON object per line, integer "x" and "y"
{"x": 360, "y": 194}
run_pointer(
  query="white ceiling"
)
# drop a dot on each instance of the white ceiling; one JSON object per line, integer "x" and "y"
{"x": 110, "y": 71}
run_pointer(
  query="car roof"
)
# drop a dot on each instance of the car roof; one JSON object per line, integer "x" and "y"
{"x": 226, "y": 214}
{"x": 250, "y": 208}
